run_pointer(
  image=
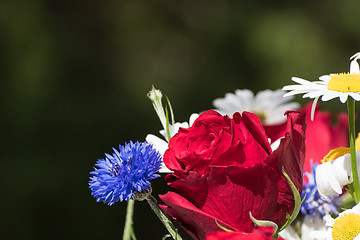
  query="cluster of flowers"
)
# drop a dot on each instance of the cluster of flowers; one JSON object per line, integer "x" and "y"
{"x": 245, "y": 170}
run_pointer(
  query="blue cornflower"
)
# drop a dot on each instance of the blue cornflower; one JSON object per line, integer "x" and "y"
{"x": 313, "y": 203}
{"x": 124, "y": 173}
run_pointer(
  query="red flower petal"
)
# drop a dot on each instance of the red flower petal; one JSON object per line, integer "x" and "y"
{"x": 228, "y": 193}
{"x": 321, "y": 136}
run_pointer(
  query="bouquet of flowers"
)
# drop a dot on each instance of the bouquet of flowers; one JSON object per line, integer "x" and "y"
{"x": 254, "y": 167}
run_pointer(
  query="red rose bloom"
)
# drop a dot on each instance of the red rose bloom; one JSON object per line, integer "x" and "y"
{"x": 322, "y": 136}
{"x": 224, "y": 169}
{"x": 261, "y": 233}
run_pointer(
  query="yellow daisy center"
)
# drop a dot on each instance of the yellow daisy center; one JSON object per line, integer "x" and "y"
{"x": 346, "y": 227}
{"x": 261, "y": 115}
{"x": 344, "y": 82}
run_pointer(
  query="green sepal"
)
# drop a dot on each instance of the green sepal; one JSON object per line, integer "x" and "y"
{"x": 167, "y": 129}
{"x": 223, "y": 228}
{"x": 171, "y": 112}
{"x": 155, "y": 96}
{"x": 166, "y": 236}
{"x": 265, "y": 223}
{"x": 297, "y": 199}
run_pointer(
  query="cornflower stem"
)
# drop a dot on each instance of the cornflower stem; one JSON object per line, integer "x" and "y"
{"x": 128, "y": 228}
{"x": 351, "y": 115}
{"x": 163, "y": 218}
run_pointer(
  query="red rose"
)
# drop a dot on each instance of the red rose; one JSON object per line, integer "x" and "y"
{"x": 216, "y": 140}
{"x": 224, "y": 168}
{"x": 261, "y": 233}
{"x": 322, "y": 136}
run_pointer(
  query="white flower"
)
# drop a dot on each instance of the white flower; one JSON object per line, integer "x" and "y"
{"x": 335, "y": 172}
{"x": 345, "y": 227}
{"x": 313, "y": 223}
{"x": 309, "y": 224}
{"x": 289, "y": 234}
{"x": 162, "y": 145}
{"x": 331, "y": 86}
{"x": 268, "y": 105}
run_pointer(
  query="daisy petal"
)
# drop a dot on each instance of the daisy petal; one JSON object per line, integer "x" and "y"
{"x": 329, "y": 95}
{"x": 343, "y": 97}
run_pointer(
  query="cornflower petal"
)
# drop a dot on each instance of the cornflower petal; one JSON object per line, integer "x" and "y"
{"x": 120, "y": 176}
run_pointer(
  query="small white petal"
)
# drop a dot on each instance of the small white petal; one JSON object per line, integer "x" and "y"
{"x": 325, "y": 78}
{"x": 313, "y": 94}
{"x": 354, "y": 67}
{"x": 343, "y": 97}
{"x": 329, "y": 95}
{"x": 300, "y": 80}
{"x": 355, "y": 56}
{"x": 192, "y": 119}
{"x": 160, "y": 145}
{"x": 342, "y": 167}
{"x": 327, "y": 183}
{"x": 332, "y": 176}
{"x": 177, "y": 127}
{"x": 355, "y": 96}
{"x": 275, "y": 144}
{"x": 295, "y": 92}
{"x": 164, "y": 169}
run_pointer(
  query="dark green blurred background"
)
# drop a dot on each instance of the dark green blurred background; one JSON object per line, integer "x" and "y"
{"x": 74, "y": 79}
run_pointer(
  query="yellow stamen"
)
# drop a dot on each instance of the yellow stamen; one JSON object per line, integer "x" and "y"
{"x": 341, "y": 151}
{"x": 344, "y": 82}
{"x": 346, "y": 227}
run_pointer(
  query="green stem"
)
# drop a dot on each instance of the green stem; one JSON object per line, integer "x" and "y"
{"x": 351, "y": 115}
{"x": 128, "y": 228}
{"x": 164, "y": 219}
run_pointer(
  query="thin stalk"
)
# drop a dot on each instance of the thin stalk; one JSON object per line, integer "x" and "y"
{"x": 163, "y": 218}
{"x": 128, "y": 228}
{"x": 351, "y": 115}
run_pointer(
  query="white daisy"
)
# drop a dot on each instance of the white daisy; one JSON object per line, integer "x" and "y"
{"x": 345, "y": 227}
{"x": 335, "y": 172}
{"x": 331, "y": 86}
{"x": 268, "y": 105}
